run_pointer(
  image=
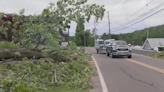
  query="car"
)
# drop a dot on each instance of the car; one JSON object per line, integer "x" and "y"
{"x": 99, "y": 45}
{"x": 118, "y": 48}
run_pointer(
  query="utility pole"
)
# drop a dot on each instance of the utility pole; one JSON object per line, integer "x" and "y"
{"x": 109, "y": 25}
{"x": 84, "y": 40}
{"x": 95, "y": 29}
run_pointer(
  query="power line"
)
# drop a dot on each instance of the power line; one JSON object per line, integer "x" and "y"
{"x": 143, "y": 15}
{"x": 140, "y": 20}
{"x": 141, "y": 8}
{"x": 121, "y": 5}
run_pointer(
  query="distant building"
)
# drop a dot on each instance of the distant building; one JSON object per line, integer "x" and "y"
{"x": 153, "y": 43}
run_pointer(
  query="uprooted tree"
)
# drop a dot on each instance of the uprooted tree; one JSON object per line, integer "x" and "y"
{"x": 20, "y": 30}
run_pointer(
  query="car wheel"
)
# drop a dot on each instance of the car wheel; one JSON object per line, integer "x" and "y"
{"x": 130, "y": 56}
{"x": 111, "y": 55}
{"x": 97, "y": 51}
{"x": 107, "y": 54}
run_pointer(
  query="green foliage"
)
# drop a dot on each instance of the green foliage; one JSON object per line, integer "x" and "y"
{"x": 139, "y": 37}
{"x": 8, "y": 45}
{"x": 61, "y": 89}
{"x": 157, "y": 55}
{"x": 28, "y": 76}
{"x": 79, "y": 37}
{"x": 48, "y": 22}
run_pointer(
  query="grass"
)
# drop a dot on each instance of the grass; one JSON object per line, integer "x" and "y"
{"x": 1, "y": 67}
{"x": 62, "y": 89}
{"x": 8, "y": 45}
{"x": 157, "y": 55}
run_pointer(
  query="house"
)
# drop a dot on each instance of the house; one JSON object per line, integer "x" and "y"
{"x": 153, "y": 43}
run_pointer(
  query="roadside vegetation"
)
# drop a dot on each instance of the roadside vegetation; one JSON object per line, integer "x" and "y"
{"x": 157, "y": 55}
{"x": 28, "y": 67}
{"x": 138, "y": 37}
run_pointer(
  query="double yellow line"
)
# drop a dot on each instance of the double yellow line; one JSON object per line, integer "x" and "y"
{"x": 148, "y": 66}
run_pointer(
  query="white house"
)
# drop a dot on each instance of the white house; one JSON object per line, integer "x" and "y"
{"x": 153, "y": 43}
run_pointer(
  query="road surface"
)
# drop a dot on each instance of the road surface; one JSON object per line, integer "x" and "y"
{"x": 139, "y": 74}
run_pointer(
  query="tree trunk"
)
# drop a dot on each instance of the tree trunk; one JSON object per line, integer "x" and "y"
{"x": 7, "y": 53}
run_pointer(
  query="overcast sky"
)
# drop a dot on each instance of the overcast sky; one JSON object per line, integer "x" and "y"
{"x": 119, "y": 13}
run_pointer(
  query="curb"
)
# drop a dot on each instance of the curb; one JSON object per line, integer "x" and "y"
{"x": 103, "y": 85}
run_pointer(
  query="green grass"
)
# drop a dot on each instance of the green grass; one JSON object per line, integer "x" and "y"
{"x": 157, "y": 55}
{"x": 61, "y": 89}
{"x": 1, "y": 67}
{"x": 8, "y": 45}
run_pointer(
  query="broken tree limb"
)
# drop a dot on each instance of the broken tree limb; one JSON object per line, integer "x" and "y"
{"x": 19, "y": 53}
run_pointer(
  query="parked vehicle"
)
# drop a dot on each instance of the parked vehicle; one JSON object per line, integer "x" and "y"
{"x": 100, "y": 45}
{"x": 118, "y": 48}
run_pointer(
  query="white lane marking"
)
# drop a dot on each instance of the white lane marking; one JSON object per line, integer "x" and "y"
{"x": 104, "y": 88}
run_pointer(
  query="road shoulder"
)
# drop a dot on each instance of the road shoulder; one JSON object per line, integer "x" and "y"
{"x": 95, "y": 80}
{"x": 99, "y": 82}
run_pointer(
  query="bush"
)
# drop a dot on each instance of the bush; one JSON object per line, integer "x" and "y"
{"x": 40, "y": 75}
{"x": 157, "y": 54}
{"x": 8, "y": 45}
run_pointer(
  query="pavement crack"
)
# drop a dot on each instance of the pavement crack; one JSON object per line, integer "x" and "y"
{"x": 152, "y": 84}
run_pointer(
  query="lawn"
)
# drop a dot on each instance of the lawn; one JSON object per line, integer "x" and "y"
{"x": 62, "y": 89}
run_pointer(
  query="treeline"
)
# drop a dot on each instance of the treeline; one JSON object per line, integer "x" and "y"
{"x": 83, "y": 37}
{"x": 138, "y": 37}
{"x": 135, "y": 38}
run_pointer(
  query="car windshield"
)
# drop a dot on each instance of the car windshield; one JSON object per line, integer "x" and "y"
{"x": 101, "y": 42}
{"x": 120, "y": 43}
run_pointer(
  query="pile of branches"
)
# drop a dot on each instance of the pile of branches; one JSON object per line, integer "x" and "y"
{"x": 42, "y": 73}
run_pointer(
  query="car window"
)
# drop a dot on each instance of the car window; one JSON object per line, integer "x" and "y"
{"x": 101, "y": 42}
{"x": 120, "y": 43}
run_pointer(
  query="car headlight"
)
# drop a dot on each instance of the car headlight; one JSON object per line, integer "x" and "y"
{"x": 114, "y": 48}
{"x": 130, "y": 50}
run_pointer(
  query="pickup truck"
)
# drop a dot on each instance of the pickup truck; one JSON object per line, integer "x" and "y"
{"x": 118, "y": 48}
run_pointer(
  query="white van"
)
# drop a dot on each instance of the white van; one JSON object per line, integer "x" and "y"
{"x": 100, "y": 45}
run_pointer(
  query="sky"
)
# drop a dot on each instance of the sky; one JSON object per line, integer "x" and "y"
{"x": 120, "y": 13}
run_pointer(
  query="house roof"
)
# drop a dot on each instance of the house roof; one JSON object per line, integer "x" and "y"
{"x": 155, "y": 42}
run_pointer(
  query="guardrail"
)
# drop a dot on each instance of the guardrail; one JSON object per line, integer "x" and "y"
{"x": 142, "y": 52}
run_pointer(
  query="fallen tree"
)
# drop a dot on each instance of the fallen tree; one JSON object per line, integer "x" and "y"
{"x": 19, "y": 53}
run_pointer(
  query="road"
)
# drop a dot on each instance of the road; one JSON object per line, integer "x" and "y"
{"x": 139, "y": 74}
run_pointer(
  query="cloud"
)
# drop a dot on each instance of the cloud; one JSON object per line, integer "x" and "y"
{"x": 119, "y": 13}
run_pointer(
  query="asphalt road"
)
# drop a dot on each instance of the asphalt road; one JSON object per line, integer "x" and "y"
{"x": 139, "y": 74}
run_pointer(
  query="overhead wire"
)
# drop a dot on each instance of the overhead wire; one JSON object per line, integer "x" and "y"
{"x": 121, "y": 5}
{"x": 139, "y": 9}
{"x": 139, "y": 21}
{"x": 143, "y": 15}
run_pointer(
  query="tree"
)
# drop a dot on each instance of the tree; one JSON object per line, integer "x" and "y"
{"x": 49, "y": 21}
{"x": 79, "y": 35}
{"x": 38, "y": 76}
{"x": 138, "y": 37}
